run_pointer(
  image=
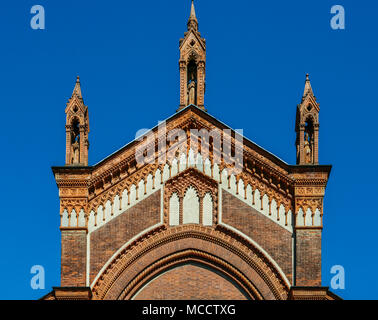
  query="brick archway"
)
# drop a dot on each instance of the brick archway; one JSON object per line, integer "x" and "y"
{"x": 162, "y": 249}
{"x": 185, "y": 258}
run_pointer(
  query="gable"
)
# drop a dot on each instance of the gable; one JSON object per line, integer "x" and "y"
{"x": 191, "y": 35}
{"x": 191, "y": 118}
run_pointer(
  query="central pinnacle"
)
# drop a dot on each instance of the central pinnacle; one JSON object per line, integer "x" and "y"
{"x": 193, "y": 12}
{"x": 193, "y": 22}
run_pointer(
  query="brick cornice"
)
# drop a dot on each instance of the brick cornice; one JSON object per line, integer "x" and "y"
{"x": 312, "y": 293}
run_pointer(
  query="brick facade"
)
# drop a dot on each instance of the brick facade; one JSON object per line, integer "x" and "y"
{"x": 191, "y": 282}
{"x": 105, "y": 241}
{"x": 163, "y": 249}
{"x": 169, "y": 229}
{"x": 73, "y": 258}
{"x": 308, "y": 257}
{"x": 275, "y": 240}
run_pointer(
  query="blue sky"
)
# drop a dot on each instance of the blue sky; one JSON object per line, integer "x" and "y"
{"x": 126, "y": 53}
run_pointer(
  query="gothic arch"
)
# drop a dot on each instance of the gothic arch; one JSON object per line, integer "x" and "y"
{"x": 186, "y": 257}
{"x": 138, "y": 262}
{"x": 193, "y": 56}
{"x": 309, "y": 118}
{"x": 75, "y": 119}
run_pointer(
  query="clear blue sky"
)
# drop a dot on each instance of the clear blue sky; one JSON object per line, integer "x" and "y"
{"x": 126, "y": 53}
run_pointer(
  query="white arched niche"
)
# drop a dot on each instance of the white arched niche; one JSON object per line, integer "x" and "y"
{"x": 191, "y": 206}
{"x": 174, "y": 210}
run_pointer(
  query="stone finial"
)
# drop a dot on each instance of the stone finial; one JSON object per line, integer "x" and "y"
{"x": 308, "y": 88}
{"x": 193, "y": 12}
{"x": 193, "y": 22}
{"x": 77, "y": 89}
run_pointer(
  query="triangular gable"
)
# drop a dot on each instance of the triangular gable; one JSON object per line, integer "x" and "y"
{"x": 258, "y": 150}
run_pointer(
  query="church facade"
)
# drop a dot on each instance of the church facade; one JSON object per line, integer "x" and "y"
{"x": 192, "y": 209}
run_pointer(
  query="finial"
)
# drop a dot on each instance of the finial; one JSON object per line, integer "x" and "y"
{"x": 192, "y": 11}
{"x": 308, "y": 88}
{"x": 77, "y": 89}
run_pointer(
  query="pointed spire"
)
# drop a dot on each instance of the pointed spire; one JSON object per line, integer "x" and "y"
{"x": 192, "y": 22}
{"x": 77, "y": 128}
{"x": 193, "y": 12}
{"x": 77, "y": 89}
{"x": 308, "y": 88}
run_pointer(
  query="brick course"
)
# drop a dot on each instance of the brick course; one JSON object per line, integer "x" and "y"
{"x": 73, "y": 261}
{"x": 105, "y": 241}
{"x": 191, "y": 282}
{"x": 176, "y": 246}
{"x": 274, "y": 239}
{"x": 308, "y": 257}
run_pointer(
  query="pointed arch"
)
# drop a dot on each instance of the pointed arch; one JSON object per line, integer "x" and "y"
{"x": 174, "y": 210}
{"x": 123, "y": 275}
{"x": 207, "y": 219}
{"x": 73, "y": 218}
{"x": 191, "y": 209}
{"x": 300, "y": 218}
{"x": 174, "y": 167}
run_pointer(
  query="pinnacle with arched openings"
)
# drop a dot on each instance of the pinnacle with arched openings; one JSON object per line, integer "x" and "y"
{"x": 77, "y": 128}
{"x": 192, "y": 65}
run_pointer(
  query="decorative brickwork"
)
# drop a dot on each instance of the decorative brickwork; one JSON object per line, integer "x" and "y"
{"x": 69, "y": 293}
{"x": 105, "y": 241}
{"x": 275, "y": 240}
{"x": 77, "y": 129}
{"x": 312, "y": 293}
{"x": 138, "y": 263}
{"x": 192, "y": 65}
{"x": 307, "y": 127}
{"x": 202, "y": 184}
{"x": 191, "y": 225}
{"x": 191, "y": 282}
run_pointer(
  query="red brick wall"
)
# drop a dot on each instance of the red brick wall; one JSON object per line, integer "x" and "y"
{"x": 190, "y": 282}
{"x": 308, "y": 257}
{"x": 105, "y": 241}
{"x": 73, "y": 258}
{"x": 180, "y": 241}
{"x": 274, "y": 239}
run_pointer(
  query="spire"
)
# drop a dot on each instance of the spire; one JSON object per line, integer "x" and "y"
{"x": 193, "y": 12}
{"x": 307, "y": 127}
{"x": 77, "y": 128}
{"x": 192, "y": 65}
{"x": 77, "y": 89}
{"x": 308, "y": 88}
{"x": 193, "y": 22}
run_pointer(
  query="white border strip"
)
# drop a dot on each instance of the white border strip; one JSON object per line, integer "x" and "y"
{"x": 120, "y": 250}
{"x": 126, "y": 244}
{"x": 249, "y": 239}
